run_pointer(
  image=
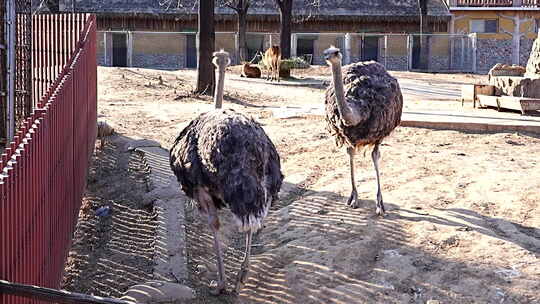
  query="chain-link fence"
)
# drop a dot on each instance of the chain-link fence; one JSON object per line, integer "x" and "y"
{"x": 402, "y": 52}
{"x": 15, "y": 74}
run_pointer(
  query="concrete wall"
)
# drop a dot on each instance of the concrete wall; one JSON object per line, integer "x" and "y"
{"x": 104, "y": 49}
{"x": 227, "y": 42}
{"x": 322, "y": 43}
{"x": 158, "y": 50}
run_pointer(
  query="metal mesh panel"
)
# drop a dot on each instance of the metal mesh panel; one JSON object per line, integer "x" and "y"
{"x": 23, "y": 49}
{"x": 414, "y": 52}
{"x": 452, "y": 53}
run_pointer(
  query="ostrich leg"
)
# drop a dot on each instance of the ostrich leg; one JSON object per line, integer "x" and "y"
{"x": 375, "y": 155}
{"x": 353, "y": 200}
{"x": 244, "y": 269}
{"x": 213, "y": 222}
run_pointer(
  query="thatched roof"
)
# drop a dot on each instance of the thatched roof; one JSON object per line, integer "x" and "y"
{"x": 328, "y": 9}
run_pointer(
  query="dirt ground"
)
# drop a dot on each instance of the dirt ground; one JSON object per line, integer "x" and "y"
{"x": 463, "y": 212}
{"x": 114, "y": 251}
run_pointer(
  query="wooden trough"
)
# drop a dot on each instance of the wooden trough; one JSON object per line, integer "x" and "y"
{"x": 523, "y": 104}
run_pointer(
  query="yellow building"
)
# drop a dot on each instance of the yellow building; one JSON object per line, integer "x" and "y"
{"x": 505, "y": 29}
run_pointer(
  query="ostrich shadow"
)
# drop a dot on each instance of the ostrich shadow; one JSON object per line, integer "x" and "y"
{"x": 290, "y": 262}
{"x": 526, "y": 237}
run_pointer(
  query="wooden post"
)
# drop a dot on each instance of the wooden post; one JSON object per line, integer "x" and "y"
{"x": 54, "y": 295}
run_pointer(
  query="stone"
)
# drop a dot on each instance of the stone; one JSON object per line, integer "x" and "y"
{"x": 533, "y": 64}
{"x": 506, "y": 70}
{"x": 516, "y": 86}
{"x": 433, "y": 302}
{"x": 104, "y": 129}
{"x": 159, "y": 292}
{"x": 136, "y": 144}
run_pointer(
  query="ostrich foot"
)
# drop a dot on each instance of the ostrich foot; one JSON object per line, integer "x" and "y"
{"x": 242, "y": 277}
{"x": 380, "y": 206}
{"x": 353, "y": 200}
{"x": 217, "y": 288}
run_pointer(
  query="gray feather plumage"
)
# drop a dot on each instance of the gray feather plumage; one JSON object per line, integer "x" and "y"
{"x": 377, "y": 98}
{"x": 232, "y": 157}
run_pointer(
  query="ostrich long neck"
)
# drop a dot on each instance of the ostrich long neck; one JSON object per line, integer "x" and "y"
{"x": 345, "y": 111}
{"x": 218, "y": 94}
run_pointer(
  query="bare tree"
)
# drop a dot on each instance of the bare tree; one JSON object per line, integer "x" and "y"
{"x": 285, "y": 26}
{"x": 206, "y": 38}
{"x": 516, "y": 33}
{"x": 424, "y": 55}
{"x": 241, "y": 8}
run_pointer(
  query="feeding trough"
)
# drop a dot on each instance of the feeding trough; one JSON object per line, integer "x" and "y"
{"x": 511, "y": 86}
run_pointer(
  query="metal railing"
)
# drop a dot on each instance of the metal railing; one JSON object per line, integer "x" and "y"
{"x": 43, "y": 171}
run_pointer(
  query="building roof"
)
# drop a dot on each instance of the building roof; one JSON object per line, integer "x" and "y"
{"x": 327, "y": 8}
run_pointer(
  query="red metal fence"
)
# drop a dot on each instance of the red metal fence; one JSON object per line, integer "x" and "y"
{"x": 44, "y": 169}
{"x": 495, "y": 3}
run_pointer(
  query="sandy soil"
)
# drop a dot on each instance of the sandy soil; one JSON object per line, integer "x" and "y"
{"x": 463, "y": 208}
{"x": 113, "y": 252}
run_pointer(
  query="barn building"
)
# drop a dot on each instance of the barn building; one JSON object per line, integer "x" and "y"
{"x": 162, "y": 34}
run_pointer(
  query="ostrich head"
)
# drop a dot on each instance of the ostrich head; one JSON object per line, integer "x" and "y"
{"x": 332, "y": 55}
{"x": 221, "y": 59}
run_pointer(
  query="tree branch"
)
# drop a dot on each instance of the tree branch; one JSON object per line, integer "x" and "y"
{"x": 232, "y": 7}
{"x": 507, "y": 32}
{"x": 506, "y": 16}
{"x": 279, "y": 4}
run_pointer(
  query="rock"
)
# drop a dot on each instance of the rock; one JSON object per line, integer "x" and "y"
{"x": 159, "y": 292}
{"x": 506, "y": 70}
{"x": 533, "y": 64}
{"x": 142, "y": 143}
{"x": 104, "y": 129}
{"x": 516, "y": 86}
{"x": 433, "y": 302}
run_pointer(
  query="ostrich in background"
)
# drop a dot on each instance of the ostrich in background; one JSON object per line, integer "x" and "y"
{"x": 363, "y": 106}
{"x": 224, "y": 159}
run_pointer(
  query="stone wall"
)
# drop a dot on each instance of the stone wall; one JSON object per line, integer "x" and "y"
{"x": 396, "y": 63}
{"x": 439, "y": 63}
{"x": 491, "y": 52}
{"x": 158, "y": 61}
{"x": 525, "y": 50}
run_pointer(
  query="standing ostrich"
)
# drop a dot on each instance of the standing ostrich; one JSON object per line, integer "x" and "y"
{"x": 224, "y": 159}
{"x": 363, "y": 114}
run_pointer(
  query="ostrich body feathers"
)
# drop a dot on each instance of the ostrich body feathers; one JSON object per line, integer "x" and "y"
{"x": 374, "y": 95}
{"x": 231, "y": 157}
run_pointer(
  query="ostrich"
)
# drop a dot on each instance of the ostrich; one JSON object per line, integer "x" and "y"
{"x": 362, "y": 107}
{"x": 224, "y": 159}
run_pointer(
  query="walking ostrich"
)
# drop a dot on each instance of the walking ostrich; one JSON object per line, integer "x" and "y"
{"x": 224, "y": 159}
{"x": 363, "y": 106}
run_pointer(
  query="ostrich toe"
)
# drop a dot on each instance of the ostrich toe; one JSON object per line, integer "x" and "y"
{"x": 242, "y": 277}
{"x": 217, "y": 288}
{"x": 353, "y": 200}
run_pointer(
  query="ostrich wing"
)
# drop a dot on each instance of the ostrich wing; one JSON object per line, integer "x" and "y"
{"x": 373, "y": 95}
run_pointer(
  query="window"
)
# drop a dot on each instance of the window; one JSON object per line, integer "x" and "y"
{"x": 255, "y": 44}
{"x": 536, "y": 25}
{"x": 305, "y": 47}
{"x": 484, "y": 26}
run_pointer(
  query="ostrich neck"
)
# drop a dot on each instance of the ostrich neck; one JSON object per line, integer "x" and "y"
{"x": 345, "y": 111}
{"x": 218, "y": 94}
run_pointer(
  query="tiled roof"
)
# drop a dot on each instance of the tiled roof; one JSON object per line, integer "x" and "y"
{"x": 379, "y": 8}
